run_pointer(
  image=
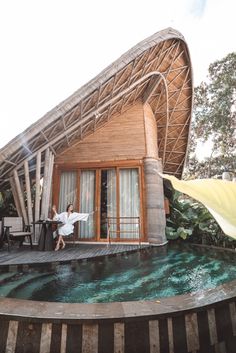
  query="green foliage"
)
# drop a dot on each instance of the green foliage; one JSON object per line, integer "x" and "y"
{"x": 7, "y": 206}
{"x": 188, "y": 218}
{"x": 214, "y": 118}
{"x": 191, "y": 221}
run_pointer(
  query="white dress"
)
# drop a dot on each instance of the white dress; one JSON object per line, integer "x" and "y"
{"x": 67, "y": 227}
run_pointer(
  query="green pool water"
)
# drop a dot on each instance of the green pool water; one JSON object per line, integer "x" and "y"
{"x": 146, "y": 275}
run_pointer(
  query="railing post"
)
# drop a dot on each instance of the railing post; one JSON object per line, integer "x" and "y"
{"x": 139, "y": 231}
{"x": 108, "y": 230}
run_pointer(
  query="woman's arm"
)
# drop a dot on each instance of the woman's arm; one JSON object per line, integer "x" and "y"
{"x": 55, "y": 215}
{"x": 79, "y": 216}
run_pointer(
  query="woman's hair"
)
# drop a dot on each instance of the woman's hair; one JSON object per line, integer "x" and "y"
{"x": 67, "y": 208}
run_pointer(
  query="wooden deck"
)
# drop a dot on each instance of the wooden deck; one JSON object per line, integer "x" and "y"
{"x": 25, "y": 256}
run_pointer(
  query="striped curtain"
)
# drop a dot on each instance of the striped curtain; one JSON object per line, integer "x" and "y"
{"x": 87, "y": 202}
{"x": 129, "y": 203}
{"x": 68, "y": 190}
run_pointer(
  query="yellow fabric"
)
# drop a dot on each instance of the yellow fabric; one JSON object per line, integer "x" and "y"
{"x": 218, "y": 196}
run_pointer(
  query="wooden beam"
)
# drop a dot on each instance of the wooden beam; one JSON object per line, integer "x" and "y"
{"x": 167, "y": 52}
{"x": 9, "y": 162}
{"x": 20, "y": 196}
{"x": 72, "y": 114}
{"x": 27, "y": 149}
{"x": 46, "y": 139}
{"x": 28, "y": 192}
{"x": 174, "y": 108}
{"x": 179, "y": 137}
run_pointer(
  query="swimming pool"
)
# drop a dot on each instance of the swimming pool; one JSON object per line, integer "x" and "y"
{"x": 146, "y": 275}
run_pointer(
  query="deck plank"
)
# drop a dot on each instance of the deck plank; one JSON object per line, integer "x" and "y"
{"x": 26, "y": 256}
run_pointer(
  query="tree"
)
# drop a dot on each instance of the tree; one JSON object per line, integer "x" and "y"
{"x": 214, "y": 117}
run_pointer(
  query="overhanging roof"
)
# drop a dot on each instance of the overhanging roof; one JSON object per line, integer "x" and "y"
{"x": 157, "y": 70}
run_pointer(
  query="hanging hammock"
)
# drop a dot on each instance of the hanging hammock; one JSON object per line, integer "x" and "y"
{"x": 218, "y": 196}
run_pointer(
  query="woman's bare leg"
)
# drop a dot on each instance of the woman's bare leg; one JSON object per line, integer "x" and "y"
{"x": 63, "y": 243}
{"x": 60, "y": 240}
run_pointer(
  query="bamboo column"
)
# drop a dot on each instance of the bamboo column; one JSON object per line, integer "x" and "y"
{"x": 46, "y": 186}
{"x": 37, "y": 195}
{"x": 51, "y": 161}
{"x": 37, "y": 187}
{"x": 28, "y": 192}
{"x": 20, "y": 196}
{"x": 15, "y": 196}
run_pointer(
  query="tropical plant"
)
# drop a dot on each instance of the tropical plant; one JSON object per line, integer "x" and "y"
{"x": 190, "y": 220}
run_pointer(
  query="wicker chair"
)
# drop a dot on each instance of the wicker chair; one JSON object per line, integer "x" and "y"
{"x": 15, "y": 230}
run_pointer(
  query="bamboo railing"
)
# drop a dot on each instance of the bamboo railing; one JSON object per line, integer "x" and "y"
{"x": 127, "y": 221}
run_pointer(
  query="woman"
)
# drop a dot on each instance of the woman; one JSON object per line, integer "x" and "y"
{"x": 68, "y": 219}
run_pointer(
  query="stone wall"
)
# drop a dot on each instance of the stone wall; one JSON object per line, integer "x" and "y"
{"x": 155, "y": 210}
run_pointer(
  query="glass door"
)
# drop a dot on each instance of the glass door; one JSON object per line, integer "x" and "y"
{"x": 113, "y": 194}
{"x": 108, "y": 203}
{"x": 87, "y": 203}
{"x": 119, "y": 216}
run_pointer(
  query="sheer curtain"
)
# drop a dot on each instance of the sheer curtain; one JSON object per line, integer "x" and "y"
{"x": 87, "y": 202}
{"x": 111, "y": 199}
{"x": 68, "y": 190}
{"x": 129, "y": 202}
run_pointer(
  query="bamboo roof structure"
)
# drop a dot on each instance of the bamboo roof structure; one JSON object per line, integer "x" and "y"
{"x": 156, "y": 71}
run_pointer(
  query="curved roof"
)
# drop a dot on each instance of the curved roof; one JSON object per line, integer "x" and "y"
{"x": 157, "y": 70}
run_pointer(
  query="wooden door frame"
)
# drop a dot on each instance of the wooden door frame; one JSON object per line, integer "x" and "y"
{"x": 98, "y": 167}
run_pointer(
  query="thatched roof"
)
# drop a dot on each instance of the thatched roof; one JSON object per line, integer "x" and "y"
{"x": 157, "y": 70}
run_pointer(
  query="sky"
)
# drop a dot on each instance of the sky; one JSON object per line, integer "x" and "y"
{"x": 50, "y": 48}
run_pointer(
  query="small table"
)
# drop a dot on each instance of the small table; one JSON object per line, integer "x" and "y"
{"x": 46, "y": 235}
